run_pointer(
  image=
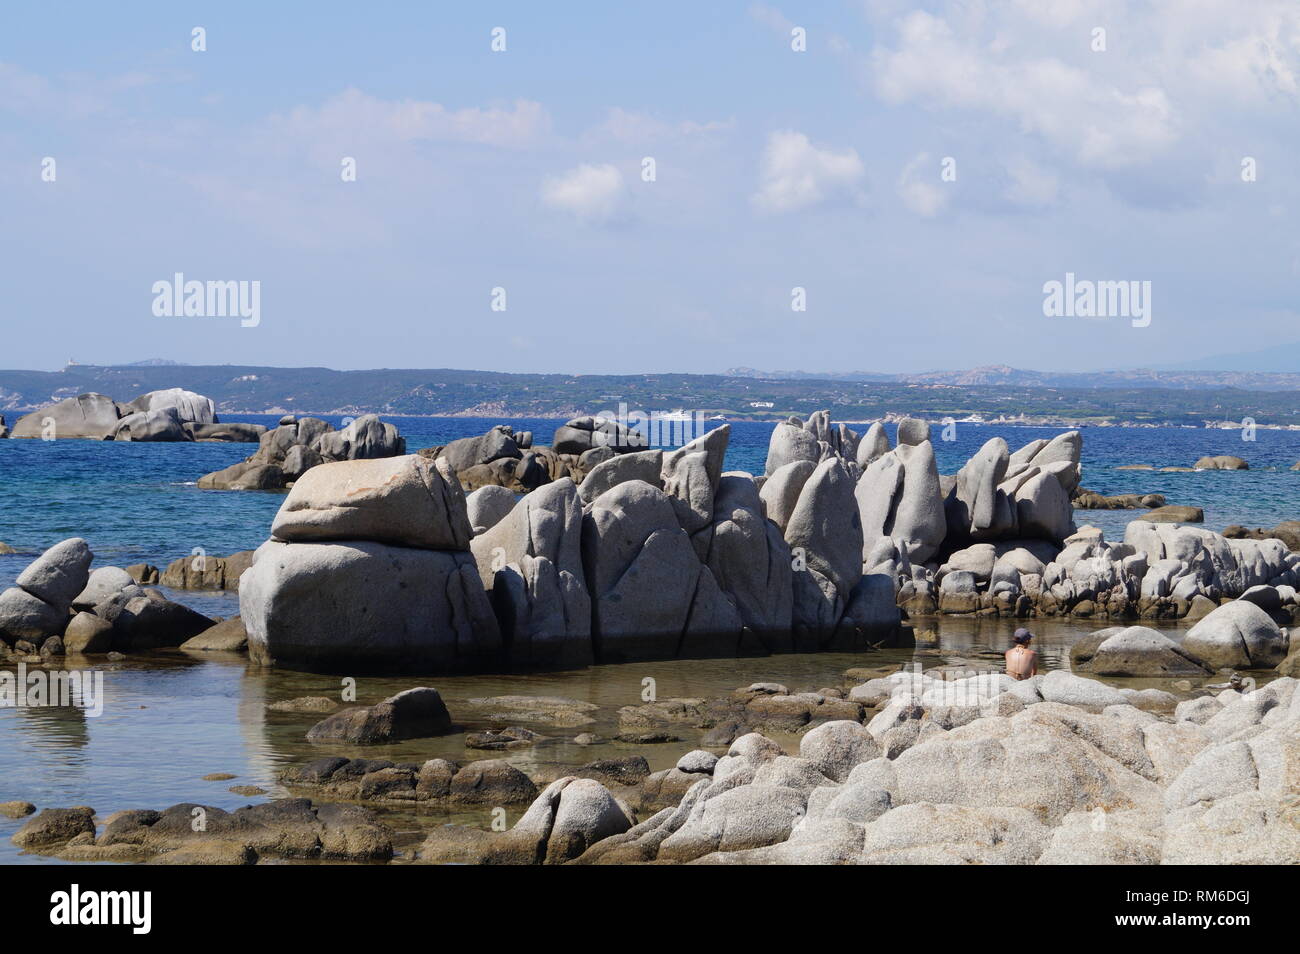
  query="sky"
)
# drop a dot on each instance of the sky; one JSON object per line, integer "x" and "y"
{"x": 912, "y": 174}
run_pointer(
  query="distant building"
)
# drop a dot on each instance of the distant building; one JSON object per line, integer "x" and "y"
{"x": 762, "y": 404}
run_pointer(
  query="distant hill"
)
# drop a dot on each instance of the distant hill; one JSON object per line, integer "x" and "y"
{"x": 1280, "y": 357}
{"x": 992, "y": 393}
{"x": 1246, "y": 377}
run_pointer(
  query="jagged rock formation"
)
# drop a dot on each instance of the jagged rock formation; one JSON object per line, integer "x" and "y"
{"x": 59, "y": 606}
{"x": 173, "y": 414}
{"x": 367, "y": 566}
{"x": 659, "y": 554}
{"x": 288, "y": 451}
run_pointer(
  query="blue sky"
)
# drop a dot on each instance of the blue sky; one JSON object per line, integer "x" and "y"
{"x": 522, "y": 169}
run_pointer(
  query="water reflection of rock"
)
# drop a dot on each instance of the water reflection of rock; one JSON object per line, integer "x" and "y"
{"x": 63, "y": 725}
{"x": 250, "y": 710}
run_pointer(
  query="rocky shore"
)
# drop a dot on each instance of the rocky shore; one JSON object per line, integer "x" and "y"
{"x": 382, "y": 561}
{"x": 173, "y": 414}
{"x": 948, "y": 766}
{"x": 295, "y": 445}
{"x": 658, "y": 554}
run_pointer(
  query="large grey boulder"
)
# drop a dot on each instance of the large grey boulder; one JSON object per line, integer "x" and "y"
{"x": 874, "y": 444}
{"x": 836, "y": 748}
{"x": 163, "y": 425}
{"x": 88, "y": 634}
{"x": 691, "y": 474}
{"x": 1042, "y": 759}
{"x": 532, "y": 562}
{"x": 824, "y": 533}
{"x": 690, "y": 488}
{"x": 814, "y": 440}
{"x": 651, "y": 597}
{"x": 87, "y": 415}
{"x": 790, "y": 443}
{"x": 143, "y": 619}
{"x": 23, "y": 616}
{"x": 1237, "y": 635}
{"x": 977, "y": 506}
{"x": 913, "y": 431}
{"x": 189, "y": 406}
{"x": 826, "y": 525}
{"x": 299, "y": 459}
{"x": 747, "y": 816}
{"x": 411, "y": 714}
{"x": 872, "y": 610}
{"x": 925, "y": 833}
{"x": 781, "y": 489}
{"x": 712, "y": 444}
{"x": 750, "y": 560}
{"x": 488, "y": 506}
{"x": 234, "y": 432}
{"x": 59, "y": 574}
{"x": 1043, "y": 508}
{"x": 100, "y": 585}
{"x": 404, "y": 501}
{"x": 637, "y": 465}
{"x": 585, "y": 813}
{"x": 367, "y": 606}
{"x": 464, "y": 453}
{"x": 1137, "y": 651}
{"x": 898, "y": 497}
{"x": 1059, "y": 456}
{"x": 1069, "y": 689}
{"x": 583, "y": 433}
{"x": 365, "y": 438}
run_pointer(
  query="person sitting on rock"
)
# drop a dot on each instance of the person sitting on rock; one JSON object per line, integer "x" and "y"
{"x": 1022, "y": 662}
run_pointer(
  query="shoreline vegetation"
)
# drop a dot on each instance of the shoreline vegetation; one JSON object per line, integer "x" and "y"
{"x": 997, "y": 395}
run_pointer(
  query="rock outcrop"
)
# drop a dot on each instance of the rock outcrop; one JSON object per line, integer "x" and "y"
{"x": 173, "y": 414}
{"x": 286, "y": 452}
{"x": 59, "y": 606}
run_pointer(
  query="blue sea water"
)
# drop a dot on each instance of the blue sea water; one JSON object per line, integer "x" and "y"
{"x": 139, "y": 503}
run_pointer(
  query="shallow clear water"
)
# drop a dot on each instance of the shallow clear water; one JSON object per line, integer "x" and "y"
{"x": 171, "y": 719}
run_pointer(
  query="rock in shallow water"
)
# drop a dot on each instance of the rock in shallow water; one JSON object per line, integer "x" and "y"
{"x": 1134, "y": 651}
{"x": 367, "y": 606}
{"x": 413, "y": 714}
{"x": 1238, "y": 635}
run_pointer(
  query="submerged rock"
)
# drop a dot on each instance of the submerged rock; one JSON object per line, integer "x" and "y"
{"x": 412, "y": 714}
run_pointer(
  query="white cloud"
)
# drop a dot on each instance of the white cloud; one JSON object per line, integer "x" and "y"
{"x": 1030, "y": 184}
{"x": 1071, "y": 107}
{"x": 921, "y": 189}
{"x": 635, "y": 128}
{"x": 771, "y": 17}
{"x": 1171, "y": 69}
{"x": 795, "y": 174}
{"x": 354, "y": 116}
{"x": 594, "y": 194}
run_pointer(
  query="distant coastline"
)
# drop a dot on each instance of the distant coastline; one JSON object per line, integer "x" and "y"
{"x": 999, "y": 396}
